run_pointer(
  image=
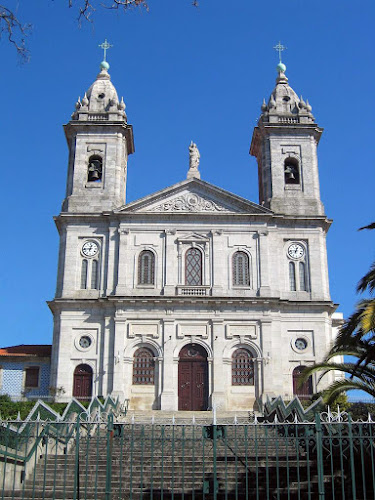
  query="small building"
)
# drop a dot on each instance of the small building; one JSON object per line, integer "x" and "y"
{"x": 25, "y": 371}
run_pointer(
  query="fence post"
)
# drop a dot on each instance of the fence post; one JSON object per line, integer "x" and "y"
{"x": 108, "y": 478}
{"x": 352, "y": 465}
{"x": 76, "y": 472}
{"x": 319, "y": 456}
{"x": 214, "y": 427}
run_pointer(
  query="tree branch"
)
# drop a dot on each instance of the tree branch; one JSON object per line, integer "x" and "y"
{"x": 15, "y": 31}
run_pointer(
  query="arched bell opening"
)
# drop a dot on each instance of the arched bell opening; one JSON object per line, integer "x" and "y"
{"x": 95, "y": 169}
{"x": 291, "y": 171}
{"x": 193, "y": 378}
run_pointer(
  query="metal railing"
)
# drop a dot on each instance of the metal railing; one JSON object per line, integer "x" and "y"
{"x": 330, "y": 457}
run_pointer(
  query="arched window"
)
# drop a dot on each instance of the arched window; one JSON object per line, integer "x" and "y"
{"x": 84, "y": 274}
{"x": 94, "y": 274}
{"x": 242, "y": 367}
{"x": 240, "y": 269}
{"x": 302, "y": 276}
{"x": 291, "y": 171}
{"x": 95, "y": 169}
{"x": 193, "y": 267}
{"x": 146, "y": 268}
{"x": 305, "y": 390}
{"x": 292, "y": 277}
{"x": 143, "y": 367}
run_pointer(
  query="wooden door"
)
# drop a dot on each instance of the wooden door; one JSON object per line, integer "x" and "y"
{"x": 82, "y": 385}
{"x": 193, "y": 379}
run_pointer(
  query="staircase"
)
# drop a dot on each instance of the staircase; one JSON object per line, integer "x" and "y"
{"x": 181, "y": 461}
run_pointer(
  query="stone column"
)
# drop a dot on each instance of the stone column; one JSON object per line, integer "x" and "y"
{"x": 218, "y": 376}
{"x": 207, "y": 266}
{"x": 111, "y": 258}
{"x": 219, "y": 265}
{"x": 118, "y": 387}
{"x": 272, "y": 370}
{"x": 258, "y": 365}
{"x": 170, "y": 270}
{"x": 263, "y": 259}
{"x": 105, "y": 367}
{"x": 121, "y": 287}
{"x": 169, "y": 394}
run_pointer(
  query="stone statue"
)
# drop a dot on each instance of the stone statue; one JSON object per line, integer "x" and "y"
{"x": 194, "y": 156}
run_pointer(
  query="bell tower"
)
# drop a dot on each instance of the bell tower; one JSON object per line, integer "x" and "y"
{"x": 100, "y": 141}
{"x": 285, "y": 145}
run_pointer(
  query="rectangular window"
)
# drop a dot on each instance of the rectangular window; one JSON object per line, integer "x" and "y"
{"x": 32, "y": 377}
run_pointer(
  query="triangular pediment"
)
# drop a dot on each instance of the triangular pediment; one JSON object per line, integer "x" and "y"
{"x": 194, "y": 196}
{"x": 193, "y": 237}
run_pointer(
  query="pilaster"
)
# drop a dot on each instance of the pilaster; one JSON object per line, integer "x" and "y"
{"x": 169, "y": 394}
{"x": 122, "y": 283}
{"x": 264, "y": 273}
{"x": 219, "y": 382}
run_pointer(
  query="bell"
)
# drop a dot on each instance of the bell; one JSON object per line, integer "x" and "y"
{"x": 290, "y": 175}
{"x": 94, "y": 175}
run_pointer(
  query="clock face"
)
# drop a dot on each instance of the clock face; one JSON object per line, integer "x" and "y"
{"x": 296, "y": 251}
{"x": 90, "y": 248}
{"x": 300, "y": 344}
{"x": 85, "y": 342}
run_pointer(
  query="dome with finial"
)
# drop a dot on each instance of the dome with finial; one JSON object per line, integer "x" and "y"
{"x": 102, "y": 94}
{"x": 101, "y": 100}
{"x": 284, "y": 105}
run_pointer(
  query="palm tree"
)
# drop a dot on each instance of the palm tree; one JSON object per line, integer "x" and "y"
{"x": 356, "y": 338}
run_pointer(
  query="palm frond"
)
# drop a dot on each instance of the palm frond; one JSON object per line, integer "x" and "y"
{"x": 368, "y": 281}
{"x": 344, "y": 385}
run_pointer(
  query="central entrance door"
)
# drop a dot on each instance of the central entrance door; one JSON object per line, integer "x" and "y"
{"x": 193, "y": 378}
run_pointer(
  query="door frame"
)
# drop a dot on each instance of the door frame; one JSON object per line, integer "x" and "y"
{"x": 88, "y": 375}
{"x": 207, "y": 363}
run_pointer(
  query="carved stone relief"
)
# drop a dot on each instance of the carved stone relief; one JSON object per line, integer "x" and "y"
{"x": 192, "y": 330}
{"x": 242, "y": 330}
{"x": 144, "y": 329}
{"x": 190, "y": 203}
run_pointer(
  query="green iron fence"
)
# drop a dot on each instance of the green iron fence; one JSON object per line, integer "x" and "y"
{"x": 328, "y": 458}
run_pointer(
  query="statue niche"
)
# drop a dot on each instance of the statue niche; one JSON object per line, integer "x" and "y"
{"x": 95, "y": 169}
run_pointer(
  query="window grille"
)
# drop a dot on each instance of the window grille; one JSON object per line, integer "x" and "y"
{"x": 146, "y": 268}
{"x": 143, "y": 367}
{"x": 242, "y": 367}
{"x": 32, "y": 377}
{"x": 84, "y": 274}
{"x": 302, "y": 276}
{"x": 240, "y": 264}
{"x": 292, "y": 277}
{"x": 193, "y": 270}
{"x": 94, "y": 274}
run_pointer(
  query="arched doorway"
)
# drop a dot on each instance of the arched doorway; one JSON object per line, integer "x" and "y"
{"x": 82, "y": 384}
{"x": 306, "y": 389}
{"x": 193, "y": 378}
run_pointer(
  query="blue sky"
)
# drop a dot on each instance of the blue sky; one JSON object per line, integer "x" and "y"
{"x": 185, "y": 74}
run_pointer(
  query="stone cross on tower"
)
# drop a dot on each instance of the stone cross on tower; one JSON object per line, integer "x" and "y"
{"x": 105, "y": 46}
{"x": 279, "y": 48}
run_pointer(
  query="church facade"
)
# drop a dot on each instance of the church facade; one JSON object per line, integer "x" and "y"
{"x": 192, "y": 296}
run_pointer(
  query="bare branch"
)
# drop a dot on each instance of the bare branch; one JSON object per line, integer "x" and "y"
{"x": 125, "y": 4}
{"x": 15, "y": 31}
